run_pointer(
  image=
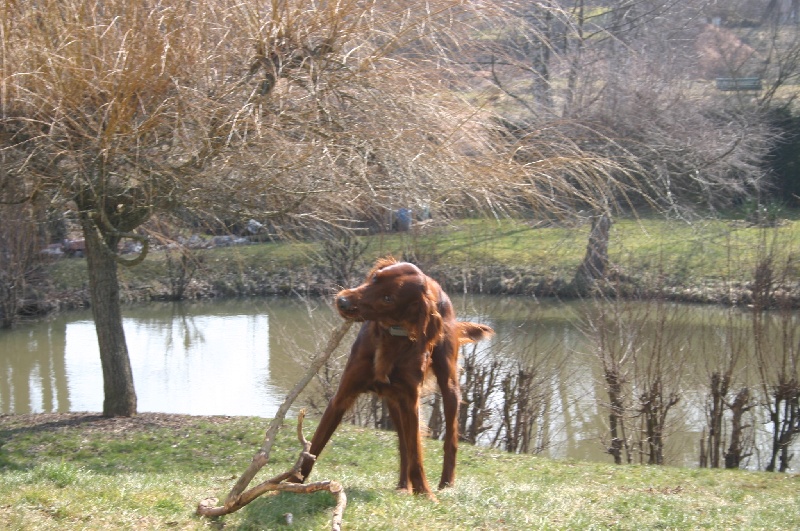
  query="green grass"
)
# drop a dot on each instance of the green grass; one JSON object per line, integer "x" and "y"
{"x": 683, "y": 253}
{"x": 145, "y": 474}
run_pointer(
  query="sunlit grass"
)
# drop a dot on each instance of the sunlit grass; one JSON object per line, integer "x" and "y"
{"x": 682, "y": 252}
{"x": 152, "y": 477}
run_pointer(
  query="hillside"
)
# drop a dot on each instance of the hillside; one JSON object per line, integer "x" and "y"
{"x": 81, "y": 471}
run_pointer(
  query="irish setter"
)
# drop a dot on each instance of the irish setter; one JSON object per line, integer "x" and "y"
{"x": 409, "y": 330}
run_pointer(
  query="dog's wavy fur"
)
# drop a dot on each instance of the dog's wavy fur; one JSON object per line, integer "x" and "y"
{"x": 409, "y": 331}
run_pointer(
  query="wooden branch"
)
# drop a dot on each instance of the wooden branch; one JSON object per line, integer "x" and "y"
{"x": 276, "y": 484}
{"x": 104, "y": 227}
{"x": 238, "y": 497}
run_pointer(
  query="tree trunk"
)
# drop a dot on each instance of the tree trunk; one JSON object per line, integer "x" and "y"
{"x": 119, "y": 393}
{"x": 540, "y": 62}
{"x": 616, "y": 421}
{"x": 574, "y": 50}
{"x": 703, "y": 461}
{"x": 594, "y": 263}
{"x": 735, "y": 453}
{"x": 719, "y": 391}
{"x": 436, "y": 422}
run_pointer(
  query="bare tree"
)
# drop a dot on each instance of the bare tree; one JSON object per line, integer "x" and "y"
{"x": 641, "y": 356}
{"x": 523, "y": 410}
{"x": 19, "y": 258}
{"x": 776, "y": 349}
{"x": 739, "y": 440}
{"x": 614, "y": 353}
{"x": 723, "y": 400}
{"x": 660, "y": 374}
{"x": 124, "y": 109}
{"x": 623, "y": 81}
{"x": 95, "y": 114}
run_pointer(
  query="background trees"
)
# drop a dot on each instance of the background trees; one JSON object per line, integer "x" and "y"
{"x": 101, "y": 115}
{"x": 624, "y": 81}
{"x": 301, "y": 113}
{"x": 19, "y": 250}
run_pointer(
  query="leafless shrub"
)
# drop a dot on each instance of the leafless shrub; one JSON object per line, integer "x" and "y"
{"x": 507, "y": 392}
{"x": 723, "y": 403}
{"x": 526, "y": 402}
{"x": 19, "y": 258}
{"x": 480, "y": 378}
{"x": 180, "y": 270}
{"x": 642, "y": 358}
{"x": 741, "y": 434}
{"x": 776, "y": 348}
{"x": 342, "y": 254}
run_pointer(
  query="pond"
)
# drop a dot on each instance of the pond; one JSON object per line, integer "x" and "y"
{"x": 241, "y": 357}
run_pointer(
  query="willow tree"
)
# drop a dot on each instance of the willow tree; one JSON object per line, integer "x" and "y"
{"x": 620, "y": 79}
{"x": 305, "y": 112}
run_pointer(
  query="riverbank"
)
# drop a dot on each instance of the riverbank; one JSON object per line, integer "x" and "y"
{"x": 82, "y": 471}
{"x": 487, "y": 280}
{"x": 710, "y": 263}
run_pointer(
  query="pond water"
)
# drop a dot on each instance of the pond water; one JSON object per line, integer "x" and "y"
{"x": 217, "y": 358}
{"x": 241, "y": 357}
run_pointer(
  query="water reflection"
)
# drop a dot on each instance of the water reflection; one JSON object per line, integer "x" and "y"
{"x": 33, "y": 374}
{"x": 199, "y": 365}
{"x": 204, "y": 359}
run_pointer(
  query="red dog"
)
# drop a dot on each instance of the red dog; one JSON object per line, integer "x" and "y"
{"x": 409, "y": 329}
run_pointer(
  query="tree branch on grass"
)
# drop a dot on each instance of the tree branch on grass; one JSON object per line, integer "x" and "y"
{"x": 238, "y": 497}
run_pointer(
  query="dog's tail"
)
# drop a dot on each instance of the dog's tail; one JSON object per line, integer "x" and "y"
{"x": 473, "y": 332}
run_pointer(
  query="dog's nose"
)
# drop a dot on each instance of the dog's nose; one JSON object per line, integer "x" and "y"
{"x": 343, "y": 303}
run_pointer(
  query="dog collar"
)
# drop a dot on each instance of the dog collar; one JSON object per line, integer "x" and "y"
{"x": 398, "y": 331}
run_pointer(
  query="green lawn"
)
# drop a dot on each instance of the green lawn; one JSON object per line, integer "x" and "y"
{"x": 150, "y": 472}
{"x": 685, "y": 253}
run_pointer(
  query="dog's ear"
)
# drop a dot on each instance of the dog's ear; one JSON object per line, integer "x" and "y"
{"x": 430, "y": 326}
{"x": 386, "y": 261}
{"x": 380, "y": 263}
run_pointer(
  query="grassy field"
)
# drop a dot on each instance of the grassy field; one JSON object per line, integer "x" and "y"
{"x": 150, "y": 472}
{"x": 684, "y": 253}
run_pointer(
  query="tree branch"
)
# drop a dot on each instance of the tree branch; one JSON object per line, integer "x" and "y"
{"x": 238, "y": 497}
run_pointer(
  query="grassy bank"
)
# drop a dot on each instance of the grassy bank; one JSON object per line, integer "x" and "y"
{"x": 149, "y": 472}
{"x": 708, "y": 261}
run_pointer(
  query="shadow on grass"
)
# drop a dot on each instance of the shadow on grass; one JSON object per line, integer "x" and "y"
{"x": 146, "y": 443}
{"x": 13, "y": 426}
{"x": 308, "y": 511}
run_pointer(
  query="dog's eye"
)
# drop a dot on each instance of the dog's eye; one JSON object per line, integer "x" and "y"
{"x": 387, "y": 298}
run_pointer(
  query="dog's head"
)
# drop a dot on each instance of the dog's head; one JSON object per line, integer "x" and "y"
{"x": 396, "y": 294}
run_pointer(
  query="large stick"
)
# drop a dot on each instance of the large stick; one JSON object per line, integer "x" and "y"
{"x": 236, "y": 499}
{"x": 207, "y": 507}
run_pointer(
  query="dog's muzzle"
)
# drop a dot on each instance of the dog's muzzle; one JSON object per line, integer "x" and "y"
{"x": 344, "y": 304}
{"x": 347, "y": 308}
